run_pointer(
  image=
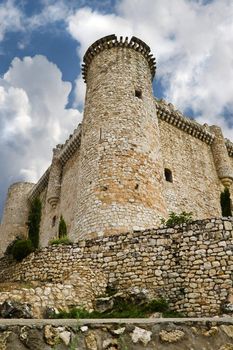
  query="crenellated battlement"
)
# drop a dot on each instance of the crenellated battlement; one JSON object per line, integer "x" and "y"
{"x": 111, "y": 41}
{"x": 167, "y": 112}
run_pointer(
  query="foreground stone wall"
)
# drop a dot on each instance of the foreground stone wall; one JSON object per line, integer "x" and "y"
{"x": 87, "y": 335}
{"x": 190, "y": 265}
{"x": 79, "y": 288}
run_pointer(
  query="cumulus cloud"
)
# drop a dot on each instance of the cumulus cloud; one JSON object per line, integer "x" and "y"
{"x": 33, "y": 117}
{"x": 192, "y": 41}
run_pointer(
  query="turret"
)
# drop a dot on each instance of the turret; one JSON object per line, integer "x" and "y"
{"x": 54, "y": 184}
{"x": 221, "y": 158}
{"x": 15, "y": 215}
{"x": 121, "y": 174}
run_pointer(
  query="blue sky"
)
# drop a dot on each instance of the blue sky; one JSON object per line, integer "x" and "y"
{"x": 42, "y": 43}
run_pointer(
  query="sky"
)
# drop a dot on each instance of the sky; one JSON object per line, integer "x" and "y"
{"x": 42, "y": 43}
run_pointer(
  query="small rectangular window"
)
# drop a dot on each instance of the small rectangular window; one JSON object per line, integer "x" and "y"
{"x": 168, "y": 175}
{"x": 138, "y": 93}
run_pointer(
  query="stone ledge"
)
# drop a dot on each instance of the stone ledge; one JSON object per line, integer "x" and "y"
{"x": 74, "y": 322}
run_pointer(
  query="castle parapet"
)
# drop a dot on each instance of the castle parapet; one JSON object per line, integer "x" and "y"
{"x": 110, "y": 41}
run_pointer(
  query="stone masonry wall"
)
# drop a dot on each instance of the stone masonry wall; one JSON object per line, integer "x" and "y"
{"x": 66, "y": 205}
{"x": 190, "y": 265}
{"x": 195, "y": 179}
{"x": 120, "y": 184}
{"x": 15, "y": 216}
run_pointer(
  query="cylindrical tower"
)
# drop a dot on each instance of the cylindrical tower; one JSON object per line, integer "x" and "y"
{"x": 121, "y": 173}
{"x": 221, "y": 158}
{"x": 54, "y": 184}
{"x": 15, "y": 216}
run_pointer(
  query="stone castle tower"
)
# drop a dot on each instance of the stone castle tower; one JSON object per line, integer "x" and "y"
{"x": 133, "y": 159}
{"x": 120, "y": 173}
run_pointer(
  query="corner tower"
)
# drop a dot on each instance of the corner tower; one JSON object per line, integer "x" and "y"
{"x": 121, "y": 173}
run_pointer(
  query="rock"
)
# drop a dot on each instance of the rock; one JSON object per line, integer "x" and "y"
{"x": 119, "y": 331}
{"x": 13, "y": 343}
{"x": 211, "y": 331}
{"x": 51, "y": 335}
{"x": 156, "y": 315}
{"x": 110, "y": 344}
{"x": 65, "y": 337}
{"x": 15, "y": 309}
{"x": 104, "y": 304}
{"x": 227, "y": 308}
{"x": 90, "y": 341}
{"x": 84, "y": 329}
{"x": 142, "y": 335}
{"x": 227, "y": 329}
{"x": 3, "y": 340}
{"x": 227, "y": 346}
{"x": 171, "y": 336}
{"x": 32, "y": 339}
{"x": 50, "y": 312}
{"x": 138, "y": 295}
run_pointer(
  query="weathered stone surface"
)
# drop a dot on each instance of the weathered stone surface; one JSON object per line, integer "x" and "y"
{"x": 228, "y": 330}
{"x": 227, "y": 346}
{"x": 90, "y": 340}
{"x": 51, "y": 335}
{"x": 171, "y": 336}
{"x": 110, "y": 344}
{"x": 14, "y": 309}
{"x": 104, "y": 304}
{"x": 141, "y": 335}
{"x": 65, "y": 336}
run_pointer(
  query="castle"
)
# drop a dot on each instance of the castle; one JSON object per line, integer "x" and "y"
{"x": 133, "y": 160}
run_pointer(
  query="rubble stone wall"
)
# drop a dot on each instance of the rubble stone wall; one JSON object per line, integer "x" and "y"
{"x": 190, "y": 265}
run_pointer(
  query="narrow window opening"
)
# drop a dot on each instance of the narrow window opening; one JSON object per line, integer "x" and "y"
{"x": 100, "y": 134}
{"x": 168, "y": 175}
{"x": 54, "y": 221}
{"x": 138, "y": 93}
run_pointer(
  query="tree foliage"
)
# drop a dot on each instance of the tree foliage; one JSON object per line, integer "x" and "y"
{"x": 225, "y": 200}
{"x": 34, "y": 222}
{"x": 21, "y": 249}
{"x": 62, "y": 230}
{"x": 177, "y": 219}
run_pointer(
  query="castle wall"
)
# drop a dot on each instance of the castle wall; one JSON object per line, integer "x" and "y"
{"x": 15, "y": 215}
{"x": 190, "y": 265}
{"x": 66, "y": 202}
{"x": 196, "y": 186}
{"x": 69, "y": 187}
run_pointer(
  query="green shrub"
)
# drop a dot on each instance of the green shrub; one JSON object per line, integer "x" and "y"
{"x": 9, "y": 248}
{"x": 63, "y": 240}
{"x": 62, "y": 230}
{"x": 123, "y": 308}
{"x": 177, "y": 219}
{"x": 34, "y": 222}
{"x": 157, "y": 305}
{"x": 21, "y": 249}
{"x": 225, "y": 200}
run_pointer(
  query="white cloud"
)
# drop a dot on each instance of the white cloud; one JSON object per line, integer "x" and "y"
{"x": 192, "y": 42}
{"x": 10, "y": 18}
{"x": 33, "y": 117}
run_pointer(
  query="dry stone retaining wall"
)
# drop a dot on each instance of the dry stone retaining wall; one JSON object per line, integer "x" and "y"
{"x": 190, "y": 265}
